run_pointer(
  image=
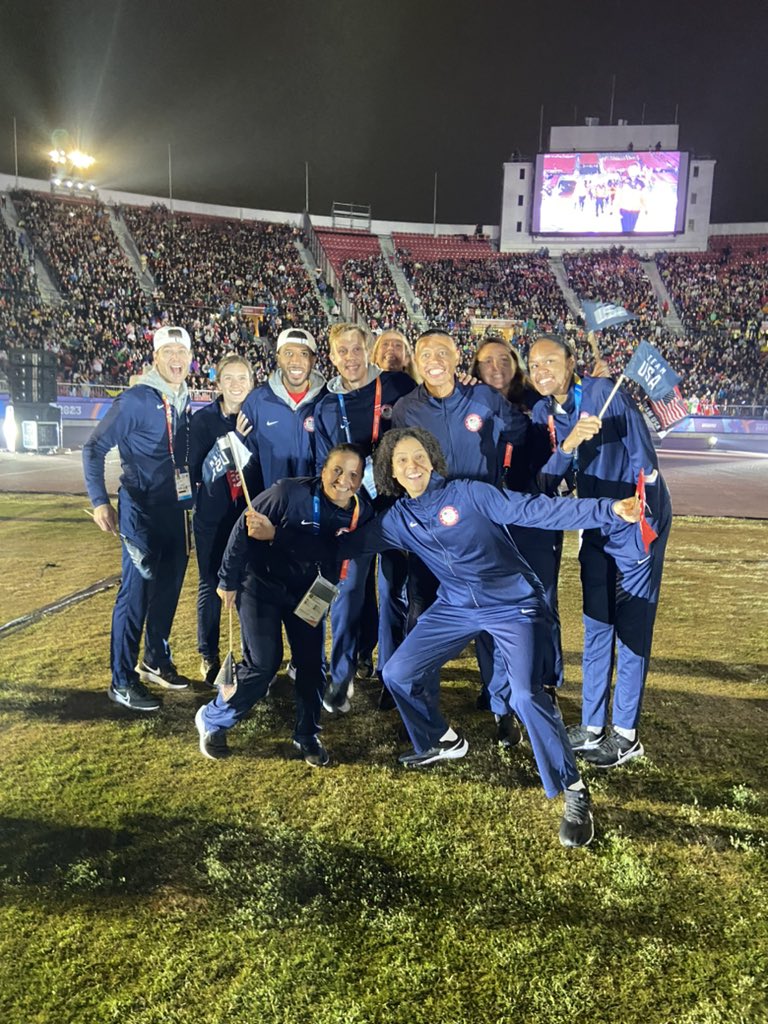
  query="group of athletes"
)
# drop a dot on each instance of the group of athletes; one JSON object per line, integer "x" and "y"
{"x": 409, "y": 508}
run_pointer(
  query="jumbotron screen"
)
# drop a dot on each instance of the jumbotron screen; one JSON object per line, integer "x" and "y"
{"x": 610, "y": 193}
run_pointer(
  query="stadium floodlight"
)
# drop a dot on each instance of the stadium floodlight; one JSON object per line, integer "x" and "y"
{"x": 58, "y": 156}
{"x": 68, "y": 183}
{"x": 56, "y": 181}
{"x": 81, "y": 160}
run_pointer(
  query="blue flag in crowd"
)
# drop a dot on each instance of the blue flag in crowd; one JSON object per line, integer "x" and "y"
{"x": 222, "y": 458}
{"x": 599, "y": 315}
{"x": 651, "y": 371}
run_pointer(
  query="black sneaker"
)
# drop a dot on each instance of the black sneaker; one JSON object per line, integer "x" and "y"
{"x": 445, "y": 750}
{"x": 313, "y": 752}
{"x": 365, "y": 669}
{"x": 386, "y": 700}
{"x": 212, "y": 744}
{"x": 613, "y": 750}
{"x": 134, "y": 696}
{"x": 209, "y": 669}
{"x": 508, "y": 731}
{"x": 582, "y": 738}
{"x": 167, "y": 677}
{"x": 336, "y": 700}
{"x": 577, "y": 826}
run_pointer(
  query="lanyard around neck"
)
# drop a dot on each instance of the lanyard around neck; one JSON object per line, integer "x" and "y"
{"x": 169, "y": 425}
{"x": 376, "y": 414}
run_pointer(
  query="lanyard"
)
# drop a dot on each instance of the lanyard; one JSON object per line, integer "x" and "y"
{"x": 577, "y": 389}
{"x": 376, "y": 414}
{"x": 352, "y": 527}
{"x": 169, "y": 424}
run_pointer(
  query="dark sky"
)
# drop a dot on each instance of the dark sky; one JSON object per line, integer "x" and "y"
{"x": 375, "y": 94}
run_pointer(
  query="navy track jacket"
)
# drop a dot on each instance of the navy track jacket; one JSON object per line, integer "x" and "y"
{"x": 474, "y": 424}
{"x": 456, "y": 529}
{"x": 137, "y": 424}
{"x": 304, "y": 544}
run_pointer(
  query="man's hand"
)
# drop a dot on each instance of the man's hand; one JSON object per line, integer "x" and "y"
{"x": 105, "y": 518}
{"x": 227, "y": 598}
{"x": 585, "y": 428}
{"x": 259, "y": 527}
{"x": 628, "y": 509}
{"x": 243, "y": 425}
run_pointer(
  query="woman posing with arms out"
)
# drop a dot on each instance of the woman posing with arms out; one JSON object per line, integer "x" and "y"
{"x": 457, "y": 528}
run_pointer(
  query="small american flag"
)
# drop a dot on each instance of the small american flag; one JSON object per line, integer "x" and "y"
{"x": 670, "y": 409}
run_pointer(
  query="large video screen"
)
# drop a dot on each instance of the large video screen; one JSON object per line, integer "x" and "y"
{"x": 610, "y": 193}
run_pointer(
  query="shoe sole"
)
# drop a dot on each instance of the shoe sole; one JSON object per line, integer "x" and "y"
{"x": 113, "y": 696}
{"x": 150, "y": 677}
{"x": 202, "y": 734}
{"x": 630, "y": 755}
{"x": 445, "y": 755}
{"x": 579, "y": 846}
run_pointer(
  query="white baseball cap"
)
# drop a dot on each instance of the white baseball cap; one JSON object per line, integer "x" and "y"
{"x": 171, "y": 336}
{"x": 296, "y": 336}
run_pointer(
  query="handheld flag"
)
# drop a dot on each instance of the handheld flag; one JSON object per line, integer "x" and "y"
{"x": 669, "y": 410}
{"x": 226, "y": 678}
{"x": 651, "y": 371}
{"x": 647, "y": 532}
{"x": 223, "y": 459}
{"x": 599, "y": 315}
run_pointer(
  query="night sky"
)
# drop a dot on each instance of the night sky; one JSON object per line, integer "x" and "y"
{"x": 375, "y": 94}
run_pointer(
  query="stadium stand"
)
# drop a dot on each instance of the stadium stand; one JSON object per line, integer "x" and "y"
{"x": 207, "y": 269}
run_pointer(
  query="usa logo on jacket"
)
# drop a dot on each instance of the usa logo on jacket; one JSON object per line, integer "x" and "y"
{"x": 473, "y": 422}
{"x": 309, "y": 423}
{"x": 448, "y": 515}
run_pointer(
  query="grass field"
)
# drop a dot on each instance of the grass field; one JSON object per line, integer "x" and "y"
{"x": 140, "y": 883}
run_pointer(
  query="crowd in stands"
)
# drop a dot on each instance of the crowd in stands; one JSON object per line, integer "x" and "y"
{"x": 513, "y": 287}
{"x": 206, "y": 270}
{"x": 369, "y": 285}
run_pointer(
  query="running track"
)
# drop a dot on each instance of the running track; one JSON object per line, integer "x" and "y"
{"x": 730, "y": 479}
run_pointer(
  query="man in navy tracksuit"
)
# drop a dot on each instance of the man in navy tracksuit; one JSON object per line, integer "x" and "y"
{"x": 483, "y": 438}
{"x": 150, "y": 424}
{"x": 605, "y": 456}
{"x": 218, "y": 507}
{"x": 457, "y": 529}
{"x": 357, "y": 409}
{"x": 281, "y": 412}
{"x": 270, "y": 578}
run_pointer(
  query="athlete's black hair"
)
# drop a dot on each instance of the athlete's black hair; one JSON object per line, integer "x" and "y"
{"x": 346, "y": 448}
{"x": 382, "y": 463}
{"x": 558, "y": 339}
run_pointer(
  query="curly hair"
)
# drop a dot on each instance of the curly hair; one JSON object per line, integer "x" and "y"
{"x": 382, "y": 461}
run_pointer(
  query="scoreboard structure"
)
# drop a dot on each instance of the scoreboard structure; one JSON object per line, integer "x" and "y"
{"x": 598, "y": 186}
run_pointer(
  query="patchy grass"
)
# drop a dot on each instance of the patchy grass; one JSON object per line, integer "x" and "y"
{"x": 143, "y": 884}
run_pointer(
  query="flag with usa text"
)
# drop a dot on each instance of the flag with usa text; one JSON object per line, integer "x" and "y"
{"x": 651, "y": 371}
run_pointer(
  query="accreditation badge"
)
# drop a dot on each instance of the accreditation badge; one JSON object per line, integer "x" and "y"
{"x": 316, "y": 602}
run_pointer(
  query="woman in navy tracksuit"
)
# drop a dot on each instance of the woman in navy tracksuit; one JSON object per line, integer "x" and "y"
{"x": 603, "y": 457}
{"x": 456, "y": 528}
{"x": 218, "y": 509}
{"x": 269, "y": 578}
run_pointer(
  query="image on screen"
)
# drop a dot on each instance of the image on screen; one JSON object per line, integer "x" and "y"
{"x": 610, "y": 193}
